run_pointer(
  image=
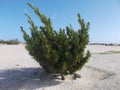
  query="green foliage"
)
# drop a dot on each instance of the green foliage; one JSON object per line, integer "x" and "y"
{"x": 10, "y": 42}
{"x": 57, "y": 52}
{"x": 110, "y": 52}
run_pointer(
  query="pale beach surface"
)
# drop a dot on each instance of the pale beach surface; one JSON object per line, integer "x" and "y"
{"x": 19, "y": 71}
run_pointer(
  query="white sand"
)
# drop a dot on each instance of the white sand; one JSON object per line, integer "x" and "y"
{"x": 18, "y": 71}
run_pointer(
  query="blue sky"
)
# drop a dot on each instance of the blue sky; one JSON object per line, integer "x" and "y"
{"x": 103, "y": 15}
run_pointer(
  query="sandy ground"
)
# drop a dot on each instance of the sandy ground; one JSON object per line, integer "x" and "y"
{"x": 18, "y": 71}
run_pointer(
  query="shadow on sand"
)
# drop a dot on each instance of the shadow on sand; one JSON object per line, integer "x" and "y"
{"x": 25, "y": 79}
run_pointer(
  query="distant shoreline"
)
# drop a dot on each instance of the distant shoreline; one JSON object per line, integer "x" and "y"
{"x": 106, "y": 44}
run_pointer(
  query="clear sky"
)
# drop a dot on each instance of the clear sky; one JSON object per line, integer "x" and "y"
{"x": 103, "y": 15}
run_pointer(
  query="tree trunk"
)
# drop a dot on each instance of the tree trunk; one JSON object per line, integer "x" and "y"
{"x": 62, "y": 76}
{"x": 75, "y": 75}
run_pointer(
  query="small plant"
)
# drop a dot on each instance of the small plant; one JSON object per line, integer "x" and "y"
{"x": 59, "y": 52}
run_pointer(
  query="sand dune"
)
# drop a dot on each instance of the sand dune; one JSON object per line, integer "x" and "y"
{"x": 19, "y": 71}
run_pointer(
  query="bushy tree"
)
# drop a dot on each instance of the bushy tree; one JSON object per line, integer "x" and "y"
{"x": 60, "y": 51}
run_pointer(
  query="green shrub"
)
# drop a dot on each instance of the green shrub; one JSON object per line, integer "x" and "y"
{"x": 10, "y": 42}
{"x": 57, "y": 51}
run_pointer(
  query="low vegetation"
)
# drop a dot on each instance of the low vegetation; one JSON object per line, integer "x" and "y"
{"x": 10, "y": 42}
{"x": 110, "y": 52}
